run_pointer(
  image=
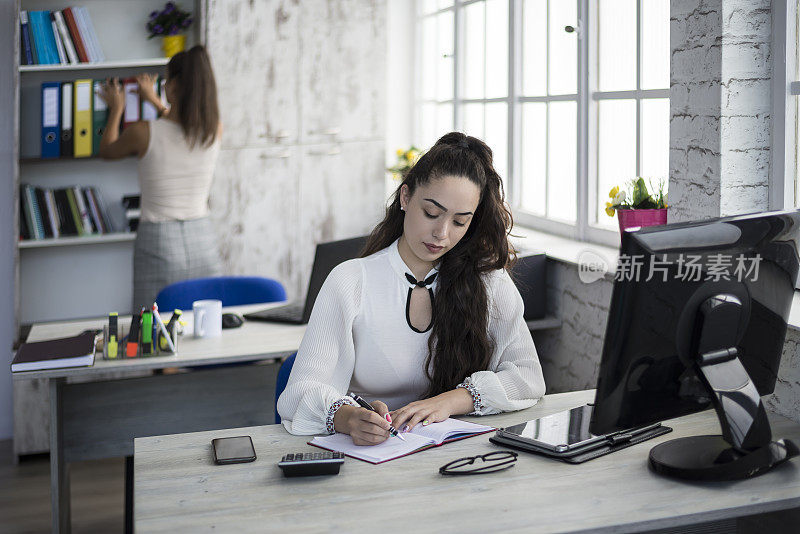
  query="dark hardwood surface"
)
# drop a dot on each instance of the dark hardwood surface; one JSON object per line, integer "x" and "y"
{"x": 98, "y": 499}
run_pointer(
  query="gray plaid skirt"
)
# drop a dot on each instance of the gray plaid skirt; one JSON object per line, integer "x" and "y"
{"x": 171, "y": 251}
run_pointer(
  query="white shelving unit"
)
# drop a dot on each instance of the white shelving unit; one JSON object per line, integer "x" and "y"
{"x": 102, "y": 65}
{"x": 115, "y": 237}
{"x": 73, "y": 277}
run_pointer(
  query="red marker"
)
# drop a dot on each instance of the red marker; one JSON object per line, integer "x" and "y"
{"x": 131, "y": 348}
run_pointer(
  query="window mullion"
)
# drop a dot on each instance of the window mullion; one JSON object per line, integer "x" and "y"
{"x": 582, "y": 172}
{"x": 457, "y": 40}
{"x": 547, "y": 110}
{"x": 638, "y": 87}
{"x": 512, "y": 180}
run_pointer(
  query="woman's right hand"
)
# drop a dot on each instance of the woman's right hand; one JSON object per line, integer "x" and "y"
{"x": 364, "y": 426}
{"x": 146, "y": 89}
{"x": 112, "y": 94}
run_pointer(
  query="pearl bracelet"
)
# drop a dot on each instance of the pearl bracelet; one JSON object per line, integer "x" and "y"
{"x": 473, "y": 391}
{"x": 332, "y": 412}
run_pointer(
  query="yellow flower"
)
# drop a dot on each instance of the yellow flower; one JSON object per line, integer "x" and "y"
{"x": 613, "y": 192}
{"x": 410, "y": 155}
{"x": 400, "y": 152}
{"x": 609, "y": 208}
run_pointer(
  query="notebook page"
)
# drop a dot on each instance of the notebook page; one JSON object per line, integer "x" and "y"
{"x": 449, "y": 428}
{"x": 391, "y": 448}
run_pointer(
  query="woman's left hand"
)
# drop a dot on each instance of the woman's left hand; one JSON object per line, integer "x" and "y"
{"x": 433, "y": 409}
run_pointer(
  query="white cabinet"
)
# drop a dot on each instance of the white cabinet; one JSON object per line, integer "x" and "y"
{"x": 255, "y": 53}
{"x": 343, "y": 70}
{"x": 302, "y": 88}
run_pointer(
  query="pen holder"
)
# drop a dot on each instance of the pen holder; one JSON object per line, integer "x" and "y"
{"x": 122, "y": 342}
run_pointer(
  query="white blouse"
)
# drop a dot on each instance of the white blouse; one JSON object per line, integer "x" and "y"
{"x": 358, "y": 339}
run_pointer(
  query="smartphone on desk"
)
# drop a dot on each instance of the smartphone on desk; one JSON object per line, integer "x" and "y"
{"x": 234, "y": 450}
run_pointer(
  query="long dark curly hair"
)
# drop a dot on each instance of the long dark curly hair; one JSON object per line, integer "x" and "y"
{"x": 459, "y": 344}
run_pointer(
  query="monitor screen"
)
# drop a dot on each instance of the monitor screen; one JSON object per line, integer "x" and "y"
{"x": 663, "y": 275}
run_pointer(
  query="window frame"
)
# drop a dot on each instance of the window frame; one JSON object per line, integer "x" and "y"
{"x": 587, "y": 100}
{"x": 784, "y": 175}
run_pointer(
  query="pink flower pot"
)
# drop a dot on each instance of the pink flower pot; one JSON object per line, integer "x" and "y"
{"x": 641, "y": 218}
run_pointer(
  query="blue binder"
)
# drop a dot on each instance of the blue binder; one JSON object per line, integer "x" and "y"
{"x": 51, "y": 113}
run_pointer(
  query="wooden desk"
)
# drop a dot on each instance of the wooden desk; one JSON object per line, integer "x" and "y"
{"x": 179, "y": 489}
{"x": 99, "y": 419}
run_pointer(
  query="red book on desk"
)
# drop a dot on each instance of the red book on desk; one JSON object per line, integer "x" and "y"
{"x": 75, "y": 351}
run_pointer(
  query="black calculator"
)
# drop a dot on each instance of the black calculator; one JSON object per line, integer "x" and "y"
{"x": 306, "y": 464}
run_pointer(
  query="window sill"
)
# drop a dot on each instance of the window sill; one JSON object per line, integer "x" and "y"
{"x": 565, "y": 250}
{"x": 572, "y": 252}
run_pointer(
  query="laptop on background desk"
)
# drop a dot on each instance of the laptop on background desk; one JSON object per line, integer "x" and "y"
{"x": 326, "y": 257}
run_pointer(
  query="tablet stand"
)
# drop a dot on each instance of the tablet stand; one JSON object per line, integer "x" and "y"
{"x": 745, "y": 448}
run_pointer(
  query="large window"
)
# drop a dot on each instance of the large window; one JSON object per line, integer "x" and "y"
{"x": 571, "y": 95}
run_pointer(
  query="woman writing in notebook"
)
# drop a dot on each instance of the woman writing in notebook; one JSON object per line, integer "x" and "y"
{"x": 427, "y": 323}
{"x": 177, "y": 154}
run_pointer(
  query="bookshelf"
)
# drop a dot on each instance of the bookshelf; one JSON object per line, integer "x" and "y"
{"x": 102, "y": 65}
{"x": 113, "y": 237}
{"x": 73, "y": 277}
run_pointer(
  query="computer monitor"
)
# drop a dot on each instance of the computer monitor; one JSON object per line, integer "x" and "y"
{"x": 697, "y": 320}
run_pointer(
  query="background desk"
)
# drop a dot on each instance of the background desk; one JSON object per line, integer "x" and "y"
{"x": 91, "y": 420}
{"x": 179, "y": 489}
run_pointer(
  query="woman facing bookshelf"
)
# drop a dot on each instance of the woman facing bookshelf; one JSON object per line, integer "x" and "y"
{"x": 177, "y": 153}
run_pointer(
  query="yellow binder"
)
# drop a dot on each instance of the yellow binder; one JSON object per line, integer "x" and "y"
{"x": 82, "y": 119}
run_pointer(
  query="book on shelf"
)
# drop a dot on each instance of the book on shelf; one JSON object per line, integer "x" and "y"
{"x": 42, "y": 37}
{"x": 66, "y": 39}
{"x": 64, "y": 212}
{"x": 26, "y": 52}
{"x": 77, "y": 40}
{"x": 74, "y": 351}
{"x": 56, "y": 37}
{"x": 62, "y": 54}
{"x": 419, "y": 439}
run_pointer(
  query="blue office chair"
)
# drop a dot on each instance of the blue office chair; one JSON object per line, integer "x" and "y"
{"x": 231, "y": 290}
{"x": 283, "y": 378}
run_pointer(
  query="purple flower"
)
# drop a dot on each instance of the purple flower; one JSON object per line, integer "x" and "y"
{"x": 186, "y": 23}
{"x": 169, "y": 8}
{"x": 158, "y": 29}
{"x": 153, "y": 14}
{"x": 173, "y": 30}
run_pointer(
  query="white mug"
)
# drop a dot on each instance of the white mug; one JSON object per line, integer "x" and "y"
{"x": 207, "y": 318}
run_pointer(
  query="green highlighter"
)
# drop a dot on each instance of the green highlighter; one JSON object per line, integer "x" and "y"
{"x": 147, "y": 332}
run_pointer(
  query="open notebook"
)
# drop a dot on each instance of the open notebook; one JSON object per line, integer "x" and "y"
{"x": 421, "y": 438}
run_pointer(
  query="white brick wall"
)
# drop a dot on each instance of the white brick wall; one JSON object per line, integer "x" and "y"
{"x": 721, "y": 107}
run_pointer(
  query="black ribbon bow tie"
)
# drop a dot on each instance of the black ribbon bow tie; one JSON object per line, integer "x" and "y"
{"x": 422, "y": 283}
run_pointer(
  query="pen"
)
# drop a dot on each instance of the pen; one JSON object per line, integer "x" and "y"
{"x": 163, "y": 328}
{"x": 364, "y": 404}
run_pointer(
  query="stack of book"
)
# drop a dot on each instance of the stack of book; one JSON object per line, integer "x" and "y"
{"x": 70, "y": 211}
{"x": 74, "y": 116}
{"x": 133, "y": 212}
{"x": 58, "y": 37}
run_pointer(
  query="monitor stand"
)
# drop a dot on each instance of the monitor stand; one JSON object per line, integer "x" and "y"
{"x": 745, "y": 448}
